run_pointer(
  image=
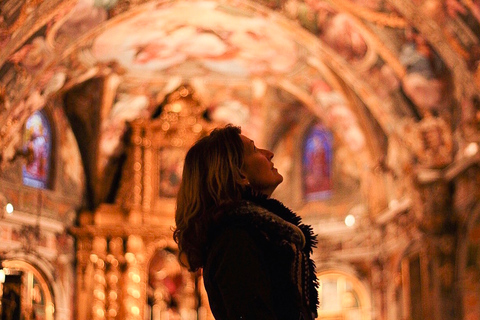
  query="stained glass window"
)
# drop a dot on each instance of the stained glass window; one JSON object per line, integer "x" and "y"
{"x": 37, "y": 143}
{"x": 317, "y": 163}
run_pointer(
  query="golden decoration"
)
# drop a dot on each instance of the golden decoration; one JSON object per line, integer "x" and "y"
{"x": 391, "y": 20}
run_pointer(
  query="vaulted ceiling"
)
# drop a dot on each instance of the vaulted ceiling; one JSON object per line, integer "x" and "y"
{"x": 375, "y": 72}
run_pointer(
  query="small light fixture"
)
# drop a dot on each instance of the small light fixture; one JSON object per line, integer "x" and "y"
{"x": 9, "y": 208}
{"x": 471, "y": 149}
{"x": 2, "y": 276}
{"x": 5, "y": 206}
{"x": 349, "y": 220}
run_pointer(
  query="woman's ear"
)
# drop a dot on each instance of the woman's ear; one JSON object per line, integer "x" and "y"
{"x": 243, "y": 178}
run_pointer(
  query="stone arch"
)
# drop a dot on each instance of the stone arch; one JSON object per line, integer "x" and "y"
{"x": 353, "y": 294}
{"x": 56, "y": 303}
{"x": 161, "y": 298}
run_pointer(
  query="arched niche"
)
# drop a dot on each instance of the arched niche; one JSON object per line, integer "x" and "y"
{"x": 26, "y": 292}
{"x": 170, "y": 288}
{"x": 343, "y": 296}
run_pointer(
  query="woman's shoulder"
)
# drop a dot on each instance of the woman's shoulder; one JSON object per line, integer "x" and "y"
{"x": 238, "y": 216}
{"x": 238, "y": 211}
{"x": 245, "y": 214}
{"x": 251, "y": 218}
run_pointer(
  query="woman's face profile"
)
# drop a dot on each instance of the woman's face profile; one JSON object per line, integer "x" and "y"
{"x": 258, "y": 169}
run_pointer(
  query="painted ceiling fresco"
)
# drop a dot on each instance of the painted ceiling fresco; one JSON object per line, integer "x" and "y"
{"x": 375, "y": 72}
{"x": 196, "y": 39}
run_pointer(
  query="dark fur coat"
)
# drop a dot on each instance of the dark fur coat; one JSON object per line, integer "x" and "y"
{"x": 258, "y": 263}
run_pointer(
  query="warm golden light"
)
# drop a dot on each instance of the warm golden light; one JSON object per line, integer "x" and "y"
{"x": 130, "y": 257}
{"x": 93, "y": 258}
{"x": 112, "y": 313}
{"x": 135, "y": 310}
{"x": 136, "y": 294}
{"x": 136, "y": 278}
{"x": 113, "y": 295}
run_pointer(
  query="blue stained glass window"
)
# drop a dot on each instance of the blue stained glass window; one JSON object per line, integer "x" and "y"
{"x": 317, "y": 163}
{"x": 37, "y": 142}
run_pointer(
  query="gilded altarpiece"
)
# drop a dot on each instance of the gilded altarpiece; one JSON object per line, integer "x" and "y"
{"x": 126, "y": 256}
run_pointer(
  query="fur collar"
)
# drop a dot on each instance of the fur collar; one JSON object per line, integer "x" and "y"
{"x": 274, "y": 228}
{"x": 278, "y": 224}
{"x": 280, "y": 210}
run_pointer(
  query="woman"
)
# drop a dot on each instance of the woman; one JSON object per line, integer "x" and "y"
{"x": 254, "y": 252}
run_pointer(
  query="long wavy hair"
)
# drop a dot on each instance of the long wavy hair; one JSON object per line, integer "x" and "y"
{"x": 211, "y": 179}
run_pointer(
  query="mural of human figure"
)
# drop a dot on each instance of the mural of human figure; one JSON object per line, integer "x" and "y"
{"x": 423, "y": 84}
